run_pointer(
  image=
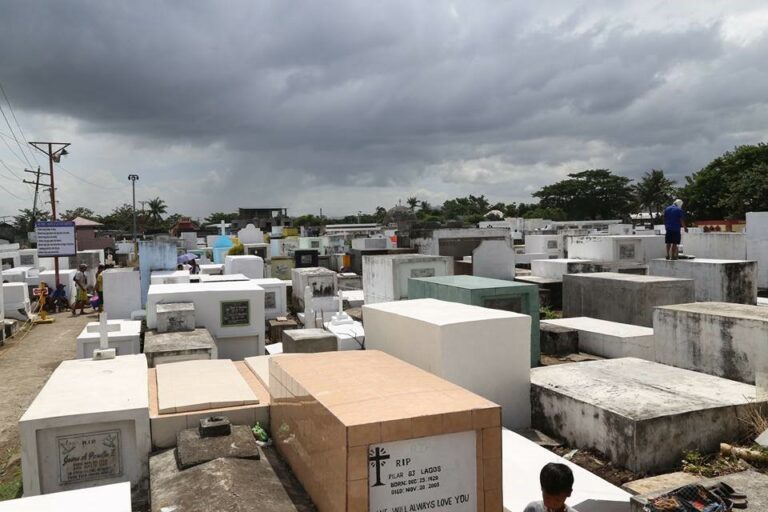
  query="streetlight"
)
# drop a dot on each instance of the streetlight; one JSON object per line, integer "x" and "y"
{"x": 134, "y": 178}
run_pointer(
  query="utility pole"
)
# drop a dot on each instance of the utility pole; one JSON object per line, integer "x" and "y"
{"x": 53, "y": 156}
{"x": 37, "y": 185}
{"x": 134, "y": 178}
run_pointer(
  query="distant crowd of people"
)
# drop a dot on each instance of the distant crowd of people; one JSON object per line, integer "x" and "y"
{"x": 86, "y": 294}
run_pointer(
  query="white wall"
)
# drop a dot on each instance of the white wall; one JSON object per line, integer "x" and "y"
{"x": 494, "y": 259}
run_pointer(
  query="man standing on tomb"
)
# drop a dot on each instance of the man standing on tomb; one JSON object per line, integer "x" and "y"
{"x": 81, "y": 289}
{"x": 674, "y": 223}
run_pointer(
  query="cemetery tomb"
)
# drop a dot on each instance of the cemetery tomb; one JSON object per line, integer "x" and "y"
{"x": 525, "y": 259}
{"x": 122, "y": 335}
{"x": 717, "y": 338}
{"x": 175, "y": 317}
{"x": 28, "y": 258}
{"x": 154, "y": 255}
{"x": 362, "y": 430}
{"x": 250, "y": 234}
{"x": 349, "y": 281}
{"x": 355, "y": 298}
{"x": 2, "y": 318}
{"x": 172, "y": 347}
{"x": 719, "y": 246}
{"x": 250, "y": 266}
{"x": 757, "y": 244}
{"x": 281, "y": 267}
{"x": 550, "y": 245}
{"x": 621, "y": 229}
{"x": 557, "y": 268}
{"x": 88, "y": 426}
{"x": 9, "y": 256}
{"x": 369, "y": 243}
{"x": 558, "y": 340}
{"x": 277, "y": 326}
{"x": 521, "y": 461}
{"x": 609, "y": 339}
{"x": 322, "y": 281}
{"x": 494, "y": 259}
{"x": 113, "y": 497}
{"x": 183, "y": 393}
{"x": 275, "y": 297}
{"x": 225, "y": 278}
{"x": 232, "y": 312}
{"x": 213, "y": 269}
{"x": 306, "y": 258}
{"x": 122, "y": 292}
{"x": 713, "y": 280}
{"x": 623, "y": 298}
{"x": 486, "y": 351}
{"x": 66, "y": 277}
{"x": 311, "y": 242}
{"x": 19, "y": 274}
{"x": 189, "y": 240}
{"x": 169, "y": 277}
{"x": 640, "y": 414}
{"x": 261, "y": 250}
{"x": 484, "y": 292}
{"x": 349, "y": 336}
{"x": 16, "y": 301}
{"x": 307, "y": 341}
{"x": 385, "y": 278}
{"x": 639, "y": 249}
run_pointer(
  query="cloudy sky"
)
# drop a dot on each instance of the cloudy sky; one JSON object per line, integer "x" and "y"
{"x": 346, "y": 105}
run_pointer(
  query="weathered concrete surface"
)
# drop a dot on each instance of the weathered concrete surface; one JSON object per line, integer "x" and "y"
{"x": 192, "y": 450}
{"x": 557, "y": 268}
{"x": 235, "y": 485}
{"x": 660, "y": 482}
{"x": 640, "y": 414}
{"x": 623, "y": 298}
{"x": 729, "y": 246}
{"x": 713, "y": 280}
{"x": 717, "y": 338}
{"x": 751, "y": 483}
{"x": 307, "y": 341}
{"x": 609, "y": 339}
{"x": 179, "y": 346}
{"x": 558, "y": 340}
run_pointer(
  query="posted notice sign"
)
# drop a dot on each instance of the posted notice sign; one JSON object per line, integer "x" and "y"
{"x": 55, "y": 238}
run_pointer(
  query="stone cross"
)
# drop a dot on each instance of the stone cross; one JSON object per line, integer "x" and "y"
{"x": 341, "y": 317}
{"x": 104, "y": 330}
{"x": 223, "y": 228}
{"x": 309, "y": 311}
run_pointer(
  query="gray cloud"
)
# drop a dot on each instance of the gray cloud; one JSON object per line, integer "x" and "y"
{"x": 352, "y": 104}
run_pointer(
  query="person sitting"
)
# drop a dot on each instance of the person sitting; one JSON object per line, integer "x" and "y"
{"x": 556, "y": 486}
{"x": 60, "y": 302}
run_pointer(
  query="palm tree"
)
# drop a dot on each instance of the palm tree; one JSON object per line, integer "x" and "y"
{"x": 654, "y": 191}
{"x": 156, "y": 209}
{"x": 412, "y": 202}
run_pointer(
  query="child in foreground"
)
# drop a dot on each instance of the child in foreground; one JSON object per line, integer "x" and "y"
{"x": 556, "y": 487}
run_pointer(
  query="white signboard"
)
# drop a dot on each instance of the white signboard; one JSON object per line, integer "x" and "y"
{"x": 429, "y": 473}
{"x": 55, "y": 238}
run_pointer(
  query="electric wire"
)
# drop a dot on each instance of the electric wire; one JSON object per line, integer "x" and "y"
{"x": 10, "y": 107}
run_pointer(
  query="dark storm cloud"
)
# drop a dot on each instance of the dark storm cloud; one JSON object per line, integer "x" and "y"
{"x": 391, "y": 94}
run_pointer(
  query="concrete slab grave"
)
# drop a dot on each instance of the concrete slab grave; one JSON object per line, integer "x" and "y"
{"x": 494, "y": 259}
{"x": 609, "y": 339}
{"x": 232, "y": 312}
{"x": 201, "y": 384}
{"x": 713, "y": 280}
{"x": 556, "y": 268}
{"x": 275, "y": 297}
{"x": 717, "y": 338}
{"x": 123, "y": 335}
{"x": 623, "y": 298}
{"x": 307, "y": 341}
{"x": 250, "y": 266}
{"x": 641, "y": 415}
{"x": 122, "y": 292}
{"x": 757, "y": 244}
{"x": 484, "y": 292}
{"x": 726, "y": 246}
{"x": 169, "y": 277}
{"x": 175, "y": 317}
{"x": 16, "y": 302}
{"x": 88, "y": 426}
{"x": 385, "y": 277}
{"x": 485, "y": 351}
{"x": 322, "y": 281}
{"x": 173, "y": 347}
{"x": 558, "y": 340}
{"x": 112, "y": 497}
{"x": 351, "y": 415}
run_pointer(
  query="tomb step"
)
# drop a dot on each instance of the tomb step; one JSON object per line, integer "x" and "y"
{"x": 608, "y": 339}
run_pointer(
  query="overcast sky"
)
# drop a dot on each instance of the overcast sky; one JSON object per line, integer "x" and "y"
{"x": 347, "y": 105}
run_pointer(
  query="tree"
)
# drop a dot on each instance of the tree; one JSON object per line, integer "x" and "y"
{"x": 654, "y": 192}
{"x": 464, "y": 207}
{"x": 308, "y": 220}
{"x": 545, "y": 213}
{"x": 217, "y": 217}
{"x": 748, "y": 193}
{"x": 380, "y": 215}
{"x": 712, "y": 192}
{"x": 593, "y": 194}
{"x": 80, "y": 211}
{"x": 412, "y": 203}
{"x": 24, "y": 222}
{"x": 121, "y": 218}
{"x": 155, "y": 209}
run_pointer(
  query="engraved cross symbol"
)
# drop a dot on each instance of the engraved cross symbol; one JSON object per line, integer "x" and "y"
{"x": 378, "y": 458}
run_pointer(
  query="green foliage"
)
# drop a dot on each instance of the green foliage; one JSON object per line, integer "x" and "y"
{"x": 593, "y": 194}
{"x": 654, "y": 192}
{"x": 80, "y": 211}
{"x": 121, "y": 218}
{"x": 155, "y": 209}
{"x": 461, "y": 207}
{"x": 237, "y": 249}
{"x": 25, "y": 223}
{"x": 724, "y": 188}
{"x": 217, "y": 217}
{"x": 11, "y": 487}
{"x": 412, "y": 202}
{"x": 308, "y": 220}
{"x": 260, "y": 433}
{"x": 546, "y": 213}
{"x": 710, "y": 466}
{"x": 546, "y": 313}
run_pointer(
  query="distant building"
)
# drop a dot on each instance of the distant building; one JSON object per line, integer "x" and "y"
{"x": 88, "y": 236}
{"x": 262, "y": 218}
{"x": 185, "y": 225}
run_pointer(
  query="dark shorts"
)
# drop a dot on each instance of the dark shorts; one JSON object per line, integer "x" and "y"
{"x": 672, "y": 237}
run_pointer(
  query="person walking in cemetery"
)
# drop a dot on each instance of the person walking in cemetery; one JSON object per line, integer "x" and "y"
{"x": 81, "y": 295}
{"x": 100, "y": 286}
{"x": 556, "y": 487}
{"x": 674, "y": 223}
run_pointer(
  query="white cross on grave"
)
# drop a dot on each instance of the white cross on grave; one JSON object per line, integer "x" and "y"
{"x": 341, "y": 317}
{"x": 104, "y": 352}
{"x": 223, "y": 228}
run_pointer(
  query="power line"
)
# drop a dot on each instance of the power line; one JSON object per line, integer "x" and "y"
{"x": 23, "y": 163}
{"x": 86, "y": 181}
{"x": 10, "y": 107}
{"x": 14, "y": 195}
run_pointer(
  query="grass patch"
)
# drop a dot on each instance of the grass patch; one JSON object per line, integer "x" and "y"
{"x": 710, "y": 466}
{"x": 10, "y": 484}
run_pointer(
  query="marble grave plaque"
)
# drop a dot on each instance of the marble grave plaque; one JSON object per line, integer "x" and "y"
{"x": 92, "y": 456}
{"x": 235, "y": 313}
{"x": 423, "y": 272}
{"x": 270, "y": 301}
{"x": 428, "y": 473}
